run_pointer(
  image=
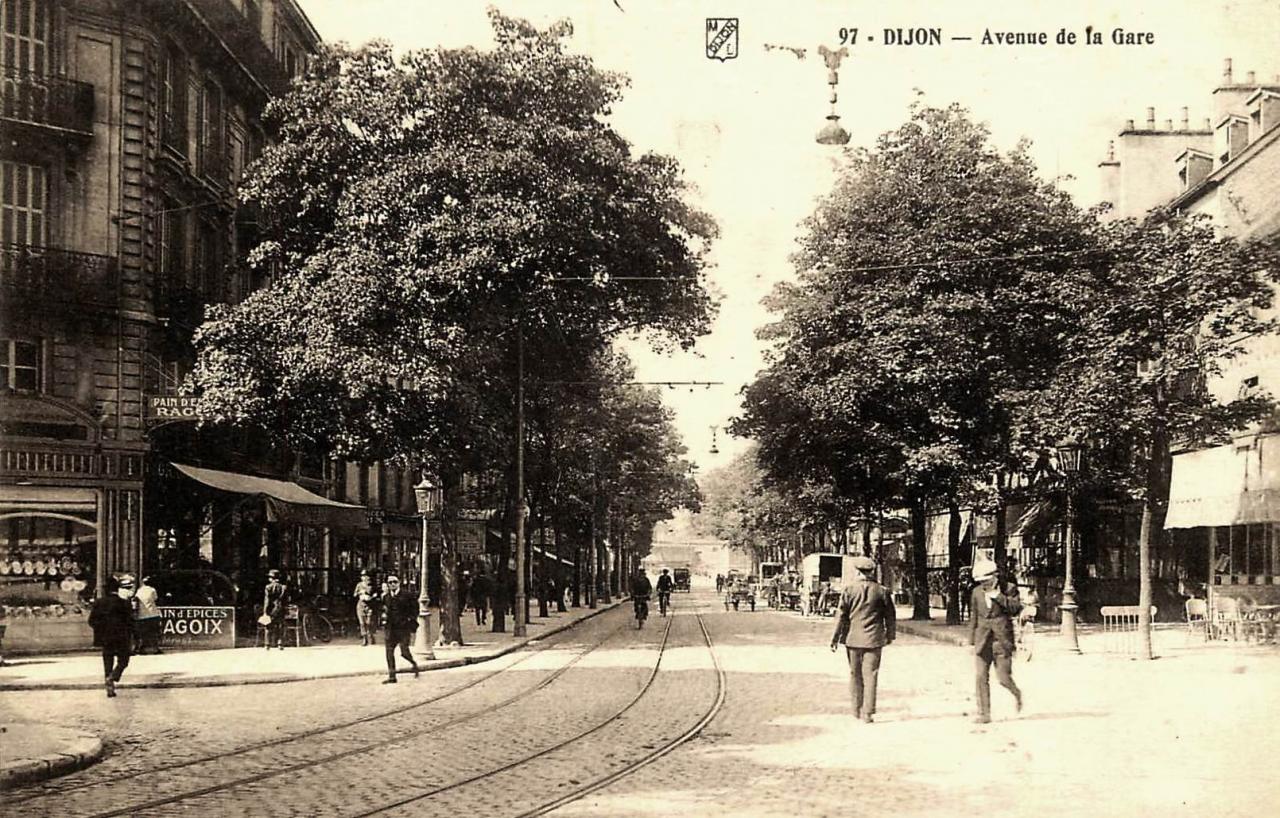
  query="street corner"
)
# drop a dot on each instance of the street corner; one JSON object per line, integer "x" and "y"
{"x": 36, "y": 752}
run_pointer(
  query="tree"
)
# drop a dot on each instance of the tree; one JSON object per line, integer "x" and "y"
{"x": 1172, "y": 302}
{"x": 926, "y": 313}
{"x": 421, "y": 215}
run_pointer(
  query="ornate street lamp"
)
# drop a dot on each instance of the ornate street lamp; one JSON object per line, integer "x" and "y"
{"x": 427, "y": 495}
{"x": 1070, "y": 455}
{"x": 832, "y": 133}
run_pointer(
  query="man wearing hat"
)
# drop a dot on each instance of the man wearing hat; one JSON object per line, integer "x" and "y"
{"x": 112, "y": 623}
{"x": 865, "y": 623}
{"x": 275, "y": 603}
{"x": 992, "y": 613}
{"x": 364, "y": 607}
{"x": 401, "y": 611}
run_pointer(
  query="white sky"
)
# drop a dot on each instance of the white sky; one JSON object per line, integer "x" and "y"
{"x": 743, "y": 129}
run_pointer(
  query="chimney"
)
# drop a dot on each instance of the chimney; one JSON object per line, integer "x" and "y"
{"x": 1168, "y": 124}
{"x": 1186, "y": 124}
{"x": 1249, "y": 78}
{"x": 1128, "y": 124}
{"x": 1151, "y": 119}
{"x": 1226, "y": 72}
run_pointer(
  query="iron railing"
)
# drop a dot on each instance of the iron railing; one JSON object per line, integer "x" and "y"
{"x": 59, "y": 275}
{"x": 54, "y": 102}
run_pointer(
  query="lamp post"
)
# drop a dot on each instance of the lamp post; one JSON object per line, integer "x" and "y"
{"x": 520, "y": 628}
{"x": 427, "y": 495}
{"x": 1070, "y": 454}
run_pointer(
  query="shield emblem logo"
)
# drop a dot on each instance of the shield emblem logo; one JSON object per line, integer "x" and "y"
{"x": 722, "y": 38}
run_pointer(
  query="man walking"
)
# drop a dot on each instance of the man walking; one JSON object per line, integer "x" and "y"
{"x": 112, "y": 623}
{"x": 401, "y": 610}
{"x": 866, "y": 622}
{"x": 480, "y": 596}
{"x": 992, "y": 615}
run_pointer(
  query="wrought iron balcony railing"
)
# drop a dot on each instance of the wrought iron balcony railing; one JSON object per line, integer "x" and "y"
{"x": 53, "y": 102}
{"x": 58, "y": 276}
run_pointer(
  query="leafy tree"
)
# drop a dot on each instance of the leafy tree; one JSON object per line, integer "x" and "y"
{"x": 422, "y": 214}
{"x": 926, "y": 313}
{"x": 1172, "y": 302}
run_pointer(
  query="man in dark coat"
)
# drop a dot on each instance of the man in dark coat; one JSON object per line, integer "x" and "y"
{"x": 401, "y": 610}
{"x": 992, "y": 614}
{"x": 479, "y": 594}
{"x": 865, "y": 623}
{"x": 275, "y": 604}
{"x": 112, "y": 623}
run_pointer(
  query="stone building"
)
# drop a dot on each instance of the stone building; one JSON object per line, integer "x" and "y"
{"x": 124, "y": 128}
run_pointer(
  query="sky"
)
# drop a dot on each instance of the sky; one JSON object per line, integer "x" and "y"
{"x": 743, "y": 128}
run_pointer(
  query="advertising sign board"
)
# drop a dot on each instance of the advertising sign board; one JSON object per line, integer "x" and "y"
{"x": 197, "y": 627}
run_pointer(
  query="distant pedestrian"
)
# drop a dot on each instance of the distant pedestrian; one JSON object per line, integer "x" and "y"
{"x": 275, "y": 604}
{"x": 866, "y": 621}
{"x": 147, "y": 601}
{"x": 401, "y": 611}
{"x": 480, "y": 597}
{"x": 719, "y": 583}
{"x": 112, "y": 621}
{"x": 364, "y": 607}
{"x": 992, "y": 637}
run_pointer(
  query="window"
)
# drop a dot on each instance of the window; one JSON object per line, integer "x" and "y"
{"x": 173, "y": 76}
{"x": 253, "y": 13}
{"x": 173, "y": 241}
{"x": 21, "y": 359}
{"x": 212, "y": 133}
{"x": 208, "y": 262}
{"x": 25, "y": 27}
{"x": 22, "y": 204}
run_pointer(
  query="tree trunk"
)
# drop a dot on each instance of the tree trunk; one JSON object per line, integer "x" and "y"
{"x": 591, "y": 556}
{"x": 1001, "y": 546}
{"x": 450, "y": 611}
{"x": 919, "y": 563}
{"x": 555, "y": 521}
{"x": 866, "y": 532}
{"x": 953, "y": 564}
{"x": 543, "y": 575}
{"x": 1153, "y": 515}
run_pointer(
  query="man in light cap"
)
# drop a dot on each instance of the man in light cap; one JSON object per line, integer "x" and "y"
{"x": 992, "y": 614}
{"x": 866, "y": 622}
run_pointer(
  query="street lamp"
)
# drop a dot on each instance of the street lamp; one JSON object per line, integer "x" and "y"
{"x": 427, "y": 495}
{"x": 520, "y": 629}
{"x": 1070, "y": 455}
{"x": 832, "y": 133}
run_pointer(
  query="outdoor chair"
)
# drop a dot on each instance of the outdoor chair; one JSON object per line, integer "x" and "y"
{"x": 1197, "y": 612}
{"x": 1226, "y": 618}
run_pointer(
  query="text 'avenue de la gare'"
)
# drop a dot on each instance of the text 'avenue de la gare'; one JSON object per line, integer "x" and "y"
{"x": 935, "y": 36}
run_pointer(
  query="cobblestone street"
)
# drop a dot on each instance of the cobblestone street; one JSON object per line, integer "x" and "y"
{"x": 1100, "y": 735}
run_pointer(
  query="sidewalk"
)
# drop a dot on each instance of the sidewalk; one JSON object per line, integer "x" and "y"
{"x": 1167, "y": 637}
{"x": 242, "y": 666}
{"x": 34, "y": 752}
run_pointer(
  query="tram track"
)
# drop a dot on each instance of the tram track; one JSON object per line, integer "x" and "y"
{"x": 296, "y": 738}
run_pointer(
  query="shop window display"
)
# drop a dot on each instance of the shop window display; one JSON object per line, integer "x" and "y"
{"x": 47, "y": 569}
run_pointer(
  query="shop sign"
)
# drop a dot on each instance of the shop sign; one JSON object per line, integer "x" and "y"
{"x": 376, "y": 516}
{"x": 171, "y": 407}
{"x": 197, "y": 627}
{"x": 470, "y": 538}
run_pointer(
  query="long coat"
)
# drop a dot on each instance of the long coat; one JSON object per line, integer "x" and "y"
{"x": 866, "y": 618}
{"x": 112, "y": 621}
{"x": 991, "y": 621}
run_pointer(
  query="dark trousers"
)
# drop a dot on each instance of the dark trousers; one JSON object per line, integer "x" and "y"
{"x": 988, "y": 655}
{"x": 864, "y": 675}
{"x": 275, "y": 631}
{"x": 481, "y": 612}
{"x": 114, "y": 660}
{"x": 401, "y": 640}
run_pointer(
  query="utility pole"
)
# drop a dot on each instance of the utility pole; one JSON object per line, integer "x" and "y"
{"x": 520, "y": 613}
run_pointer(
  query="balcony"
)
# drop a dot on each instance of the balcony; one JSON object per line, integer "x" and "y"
{"x": 181, "y": 304}
{"x": 237, "y": 42}
{"x": 47, "y": 102}
{"x": 57, "y": 278}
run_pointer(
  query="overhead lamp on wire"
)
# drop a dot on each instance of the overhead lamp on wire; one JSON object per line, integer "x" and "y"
{"x": 714, "y": 449}
{"x": 832, "y": 133}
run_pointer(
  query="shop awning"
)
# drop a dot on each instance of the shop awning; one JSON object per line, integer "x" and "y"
{"x": 1236, "y": 484}
{"x": 286, "y": 502}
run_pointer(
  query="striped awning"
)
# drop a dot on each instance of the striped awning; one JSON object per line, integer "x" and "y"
{"x": 1237, "y": 484}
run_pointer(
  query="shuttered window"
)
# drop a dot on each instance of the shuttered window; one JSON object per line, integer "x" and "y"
{"x": 23, "y": 202}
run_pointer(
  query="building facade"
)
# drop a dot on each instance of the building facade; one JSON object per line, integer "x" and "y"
{"x": 125, "y": 126}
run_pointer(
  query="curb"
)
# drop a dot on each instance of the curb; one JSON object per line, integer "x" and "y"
{"x": 231, "y": 681}
{"x": 80, "y": 753}
{"x": 932, "y": 633}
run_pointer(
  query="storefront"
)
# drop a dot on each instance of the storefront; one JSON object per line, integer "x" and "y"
{"x": 1224, "y": 503}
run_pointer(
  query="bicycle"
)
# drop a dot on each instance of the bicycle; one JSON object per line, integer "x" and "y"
{"x": 664, "y": 603}
{"x": 316, "y": 627}
{"x": 642, "y": 610}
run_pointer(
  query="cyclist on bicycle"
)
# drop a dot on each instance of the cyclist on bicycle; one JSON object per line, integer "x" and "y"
{"x": 640, "y": 590}
{"x": 664, "y": 591}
